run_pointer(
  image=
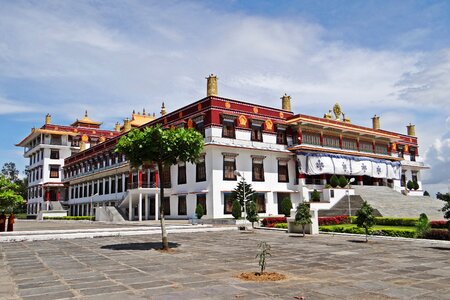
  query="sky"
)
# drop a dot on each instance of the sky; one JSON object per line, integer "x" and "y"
{"x": 390, "y": 58}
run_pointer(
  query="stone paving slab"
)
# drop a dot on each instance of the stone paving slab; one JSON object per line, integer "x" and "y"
{"x": 204, "y": 265}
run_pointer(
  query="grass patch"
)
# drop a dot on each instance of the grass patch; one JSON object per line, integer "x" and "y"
{"x": 376, "y": 227}
{"x": 396, "y": 231}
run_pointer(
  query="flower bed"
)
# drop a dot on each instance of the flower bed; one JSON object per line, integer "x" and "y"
{"x": 333, "y": 220}
{"x": 272, "y": 221}
{"x": 439, "y": 224}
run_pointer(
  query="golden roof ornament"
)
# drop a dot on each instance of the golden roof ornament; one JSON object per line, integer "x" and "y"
{"x": 163, "y": 109}
{"x": 327, "y": 115}
{"x": 337, "y": 111}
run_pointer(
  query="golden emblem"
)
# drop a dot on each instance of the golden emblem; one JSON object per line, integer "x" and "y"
{"x": 75, "y": 130}
{"x": 94, "y": 132}
{"x": 102, "y": 139}
{"x": 406, "y": 148}
{"x": 190, "y": 123}
{"x": 337, "y": 110}
{"x": 111, "y": 134}
{"x": 255, "y": 110}
{"x": 199, "y": 106}
{"x": 269, "y": 125}
{"x": 394, "y": 147}
{"x": 84, "y": 138}
{"x": 242, "y": 120}
{"x": 227, "y": 104}
{"x": 281, "y": 114}
{"x": 180, "y": 114}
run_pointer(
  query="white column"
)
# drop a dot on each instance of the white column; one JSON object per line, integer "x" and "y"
{"x": 140, "y": 207}
{"x": 130, "y": 208}
{"x": 123, "y": 182}
{"x": 156, "y": 206}
{"x": 147, "y": 207}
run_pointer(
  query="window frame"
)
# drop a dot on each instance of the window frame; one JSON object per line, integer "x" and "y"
{"x": 227, "y": 162}
{"x": 258, "y": 161}
{"x": 181, "y": 176}
{"x": 283, "y": 163}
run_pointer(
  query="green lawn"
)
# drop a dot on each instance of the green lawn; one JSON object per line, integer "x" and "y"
{"x": 376, "y": 227}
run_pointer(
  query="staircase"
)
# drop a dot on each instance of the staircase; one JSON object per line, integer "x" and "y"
{"x": 341, "y": 207}
{"x": 393, "y": 204}
{"x": 108, "y": 214}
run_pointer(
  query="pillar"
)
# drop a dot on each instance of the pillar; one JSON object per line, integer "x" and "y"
{"x": 323, "y": 179}
{"x": 140, "y": 207}
{"x": 156, "y": 206}
{"x": 130, "y": 208}
{"x": 147, "y": 207}
{"x": 140, "y": 179}
{"x": 359, "y": 180}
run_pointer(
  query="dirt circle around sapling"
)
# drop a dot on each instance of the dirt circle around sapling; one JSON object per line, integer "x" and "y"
{"x": 266, "y": 276}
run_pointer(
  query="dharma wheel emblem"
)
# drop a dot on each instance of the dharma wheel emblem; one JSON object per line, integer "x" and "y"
{"x": 378, "y": 170}
{"x": 337, "y": 110}
{"x": 320, "y": 165}
{"x": 364, "y": 167}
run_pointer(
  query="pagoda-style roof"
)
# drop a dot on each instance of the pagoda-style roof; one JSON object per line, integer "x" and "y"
{"x": 37, "y": 131}
{"x": 138, "y": 119}
{"x": 86, "y": 122}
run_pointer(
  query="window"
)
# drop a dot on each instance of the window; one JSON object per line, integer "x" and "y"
{"x": 54, "y": 154}
{"x": 228, "y": 128}
{"x": 283, "y": 174}
{"x": 229, "y": 166}
{"x": 90, "y": 188}
{"x": 119, "y": 184}
{"x": 166, "y": 177}
{"x": 113, "y": 185}
{"x": 201, "y": 199}
{"x": 166, "y": 206}
{"x": 403, "y": 179}
{"x": 182, "y": 211}
{"x": 280, "y": 198}
{"x": 412, "y": 153}
{"x": 381, "y": 149}
{"x": 349, "y": 144}
{"x": 100, "y": 187}
{"x": 366, "y": 147}
{"x": 258, "y": 168}
{"x": 414, "y": 176}
{"x": 72, "y": 193}
{"x": 261, "y": 202}
{"x": 200, "y": 169}
{"x": 85, "y": 190}
{"x": 281, "y": 136}
{"x": 200, "y": 127}
{"x": 181, "y": 173}
{"x": 311, "y": 138}
{"x": 56, "y": 140}
{"x": 257, "y": 131}
{"x": 227, "y": 203}
{"x": 54, "y": 171}
{"x": 106, "y": 186}
{"x": 331, "y": 141}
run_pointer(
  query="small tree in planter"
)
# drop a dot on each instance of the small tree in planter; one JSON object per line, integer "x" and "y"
{"x": 343, "y": 181}
{"x": 410, "y": 185}
{"x": 334, "y": 181}
{"x": 265, "y": 248}
{"x": 315, "y": 196}
{"x": 426, "y": 194}
{"x": 415, "y": 185}
{"x": 199, "y": 211}
{"x": 365, "y": 218}
{"x": 252, "y": 213}
{"x": 422, "y": 226}
{"x": 303, "y": 215}
{"x": 286, "y": 206}
{"x": 236, "y": 209}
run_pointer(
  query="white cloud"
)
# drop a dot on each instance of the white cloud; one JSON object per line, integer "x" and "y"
{"x": 12, "y": 107}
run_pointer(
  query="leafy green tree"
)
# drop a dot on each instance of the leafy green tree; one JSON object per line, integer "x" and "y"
{"x": 163, "y": 147}
{"x": 286, "y": 206}
{"x": 10, "y": 200}
{"x": 343, "y": 181}
{"x": 303, "y": 215}
{"x": 10, "y": 171}
{"x": 334, "y": 181}
{"x": 236, "y": 209}
{"x": 315, "y": 196}
{"x": 252, "y": 212}
{"x": 446, "y": 208}
{"x": 199, "y": 211}
{"x": 410, "y": 185}
{"x": 422, "y": 226}
{"x": 365, "y": 218}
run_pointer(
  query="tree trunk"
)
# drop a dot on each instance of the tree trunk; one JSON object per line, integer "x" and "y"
{"x": 367, "y": 235}
{"x": 303, "y": 228}
{"x": 165, "y": 240}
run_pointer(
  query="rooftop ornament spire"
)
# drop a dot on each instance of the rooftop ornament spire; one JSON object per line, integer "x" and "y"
{"x": 211, "y": 85}
{"x": 163, "y": 109}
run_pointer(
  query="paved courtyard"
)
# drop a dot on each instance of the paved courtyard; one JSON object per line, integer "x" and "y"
{"x": 204, "y": 264}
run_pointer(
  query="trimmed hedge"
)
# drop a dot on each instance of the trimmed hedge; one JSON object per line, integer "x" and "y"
{"x": 281, "y": 225}
{"x": 396, "y": 221}
{"x": 439, "y": 224}
{"x": 272, "y": 221}
{"x": 384, "y": 232}
{"x": 70, "y": 218}
{"x": 333, "y": 220}
{"x": 438, "y": 234}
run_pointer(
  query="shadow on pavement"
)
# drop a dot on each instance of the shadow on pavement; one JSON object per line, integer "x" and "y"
{"x": 440, "y": 248}
{"x": 358, "y": 241}
{"x": 139, "y": 246}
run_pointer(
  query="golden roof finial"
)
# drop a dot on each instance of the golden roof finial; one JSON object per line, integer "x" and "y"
{"x": 143, "y": 111}
{"x": 163, "y": 109}
{"x": 85, "y": 113}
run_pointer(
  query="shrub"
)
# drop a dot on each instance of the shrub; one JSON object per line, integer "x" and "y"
{"x": 426, "y": 194}
{"x": 272, "y": 221}
{"x": 396, "y": 221}
{"x": 365, "y": 218}
{"x": 286, "y": 206}
{"x": 327, "y": 186}
{"x": 70, "y": 218}
{"x": 281, "y": 225}
{"x": 422, "y": 226}
{"x": 438, "y": 234}
{"x": 333, "y": 220}
{"x": 343, "y": 181}
{"x": 415, "y": 185}
{"x": 199, "y": 211}
{"x": 315, "y": 196}
{"x": 407, "y": 233}
{"x": 410, "y": 185}
{"x": 439, "y": 224}
{"x": 334, "y": 181}
{"x": 236, "y": 209}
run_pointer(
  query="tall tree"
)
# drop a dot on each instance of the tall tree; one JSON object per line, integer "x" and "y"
{"x": 365, "y": 218}
{"x": 10, "y": 171}
{"x": 10, "y": 200}
{"x": 245, "y": 195}
{"x": 164, "y": 147}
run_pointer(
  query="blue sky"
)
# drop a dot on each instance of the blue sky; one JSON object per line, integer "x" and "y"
{"x": 390, "y": 58}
